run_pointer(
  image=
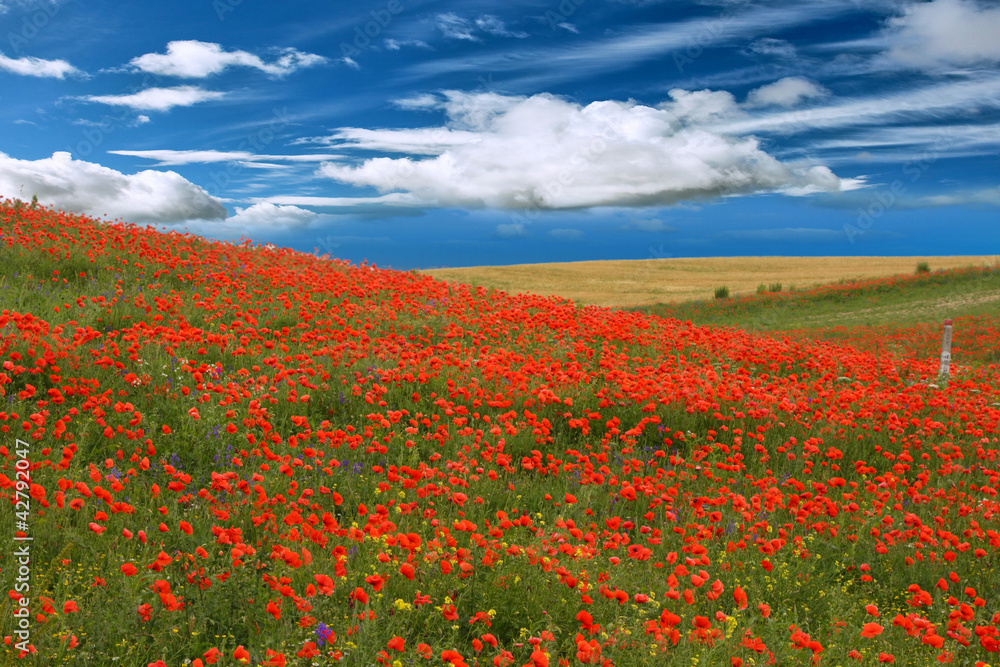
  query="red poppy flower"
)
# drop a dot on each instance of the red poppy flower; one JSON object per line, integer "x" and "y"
{"x": 274, "y": 659}
{"x": 308, "y": 650}
{"x": 539, "y": 659}
{"x": 740, "y": 597}
{"x": 375, "y": 582}
{"x": 325, "y": 584}
{"x": 871, "y": 630}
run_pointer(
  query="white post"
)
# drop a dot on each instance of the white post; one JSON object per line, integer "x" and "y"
{"x": 946, "y": 351}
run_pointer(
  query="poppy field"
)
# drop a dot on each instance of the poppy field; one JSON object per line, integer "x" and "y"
{"x": 234, "y": 454}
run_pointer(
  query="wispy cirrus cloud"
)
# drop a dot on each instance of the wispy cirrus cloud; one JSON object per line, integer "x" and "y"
{"x": 423, "y": 141}
{"x": 493, "y": 25}
{"x": 164, "y": 157}
{"x": 771, "y": 47}
{"x": 908, "y": 143}
{"x": 397, "y": 44}
{"x": 638, "y": 43}
{"x": 926, "y": 103}
{"x": 400, "y": 199}
{"x": 192, "y": 59}
{"x": 787, "y": 234}
{"x": 7, "y": 5}
{"x": 971, "y": 197}
{"x": 453, "y": 26}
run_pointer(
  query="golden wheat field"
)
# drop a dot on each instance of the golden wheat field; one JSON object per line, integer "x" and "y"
{"x": 641, "y": 282}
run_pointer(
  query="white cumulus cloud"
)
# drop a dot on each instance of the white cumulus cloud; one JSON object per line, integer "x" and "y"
{"x": 75, "y": 185}
{"x": 192, "y": 59}
{"x": 700, "y": 106}
{"x": 28, "y": 66}
{"x": 946, "y": 32}
{"x": 269, "y": 216}
{"x": 158, "y": 99}
{"x": 788, "y": 92}
{"x": 543, "y": 151}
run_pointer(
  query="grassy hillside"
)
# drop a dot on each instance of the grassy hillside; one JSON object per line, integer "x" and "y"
{"x": 240, "y": 455}
{"x": 900, "y": 316}
{"x": 900, "y": 300}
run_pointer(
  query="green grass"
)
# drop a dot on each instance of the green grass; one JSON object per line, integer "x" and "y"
{"x": 930, "y": 297}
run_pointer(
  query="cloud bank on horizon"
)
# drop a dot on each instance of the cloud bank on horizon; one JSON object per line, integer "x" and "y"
{"x": 390, "y": 113}
{"x": 75, "y": 185}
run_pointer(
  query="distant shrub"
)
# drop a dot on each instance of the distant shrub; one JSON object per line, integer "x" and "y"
{"x": 761, "y": 288}
{"x": 923, "y": 267}
{"x": 774, "y": 287}
{"x": 722, "y": 292}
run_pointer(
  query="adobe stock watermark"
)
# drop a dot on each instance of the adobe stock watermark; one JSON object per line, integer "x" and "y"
{"x": 365, "y": 33}
{"x": 709, "y": 32}
{"x": 329, "y": 245}
{"x": 559, "y": 17}
{"x": 96, "y": 133}
{"x": 22, "y": 550}
{"x": 659, "y": 253}
{"x": 222, "y": 178}
{"x": 890, "y": 195}
{"x": 33, "y": 23}
{"x": 224, "y": 7}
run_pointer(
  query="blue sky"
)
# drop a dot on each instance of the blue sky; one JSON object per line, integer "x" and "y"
{"x": 419, "y": 134}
